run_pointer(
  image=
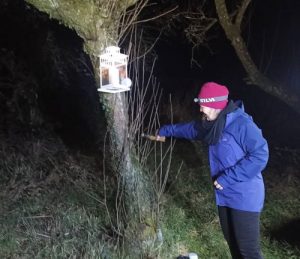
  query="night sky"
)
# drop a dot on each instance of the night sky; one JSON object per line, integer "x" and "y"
{"x": 45, "y": 60}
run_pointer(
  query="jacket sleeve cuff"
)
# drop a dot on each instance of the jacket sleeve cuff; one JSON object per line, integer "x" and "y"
{"x": 162, "y": 132}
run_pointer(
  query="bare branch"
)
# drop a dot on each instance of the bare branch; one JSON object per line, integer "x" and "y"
{"x": 241, "y": 13}
{"x": 158, "y": 16}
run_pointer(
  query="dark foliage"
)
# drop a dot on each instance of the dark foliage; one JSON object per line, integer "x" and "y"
{"x": 46, "y": 76}
{"x": 288, "y": 232}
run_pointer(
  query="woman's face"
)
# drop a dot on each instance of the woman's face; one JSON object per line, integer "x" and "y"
{"x": 210, "y": 114}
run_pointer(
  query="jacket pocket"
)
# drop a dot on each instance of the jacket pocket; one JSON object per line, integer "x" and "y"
{"x": 228, "y": 150}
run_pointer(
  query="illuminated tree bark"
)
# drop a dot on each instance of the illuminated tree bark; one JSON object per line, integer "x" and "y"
{"x": 97, "y": 22}
{"x": 232, "y": 30}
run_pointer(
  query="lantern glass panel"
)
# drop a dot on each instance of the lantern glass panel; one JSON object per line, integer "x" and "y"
{"x": 113, "y": 71}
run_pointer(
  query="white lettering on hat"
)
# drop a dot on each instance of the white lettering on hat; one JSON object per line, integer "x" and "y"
{"x": 211, "y": 99}
{"x": 207, "y": 100}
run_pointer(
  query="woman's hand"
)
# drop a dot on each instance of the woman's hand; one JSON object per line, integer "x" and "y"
{"x": 217, "y": 185}
{"x": 159, "y": 138}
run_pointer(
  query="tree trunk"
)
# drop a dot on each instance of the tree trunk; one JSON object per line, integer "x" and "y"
{"x": 98, "y": 27}
{"x": 233, "y": 34}
{"x": 124, "y": 159}
{"x": 139, "y": 196}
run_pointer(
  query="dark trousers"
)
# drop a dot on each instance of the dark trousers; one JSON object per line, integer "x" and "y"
{"x": 241, "y": 231}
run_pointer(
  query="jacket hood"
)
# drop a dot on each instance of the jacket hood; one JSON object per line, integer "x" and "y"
{"x": 240, "y": 104}
{"x": 239, "y": 112}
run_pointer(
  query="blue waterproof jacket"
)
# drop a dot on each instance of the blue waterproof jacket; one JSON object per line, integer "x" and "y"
{"x": 236, "y": 161}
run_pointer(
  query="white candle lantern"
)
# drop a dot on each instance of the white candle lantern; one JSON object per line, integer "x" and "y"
{"x": 113, "y": 71}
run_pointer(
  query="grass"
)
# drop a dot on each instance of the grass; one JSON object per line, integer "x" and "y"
{"x": 50, "y": 203}
{"x": 39, "y": 230}
{"x": 51, "y": 207}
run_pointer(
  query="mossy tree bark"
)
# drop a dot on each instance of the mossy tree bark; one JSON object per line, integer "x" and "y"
{"x": 97, "y": 23}
{"x": 231, "y": 26}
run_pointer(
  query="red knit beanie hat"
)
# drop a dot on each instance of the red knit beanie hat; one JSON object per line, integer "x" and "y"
{"x": 213, "y": 95}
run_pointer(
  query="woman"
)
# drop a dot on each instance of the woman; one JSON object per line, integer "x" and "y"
{"x": 237, "y": 154}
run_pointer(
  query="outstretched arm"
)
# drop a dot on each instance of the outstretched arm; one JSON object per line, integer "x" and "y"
{"x": 189, "y": 130}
